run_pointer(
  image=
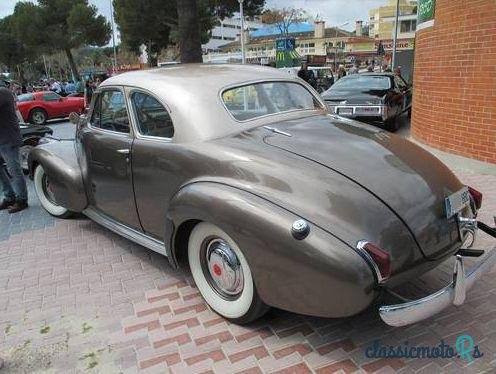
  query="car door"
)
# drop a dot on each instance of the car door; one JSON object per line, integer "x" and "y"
{"x": 51, "y": 103}
{"x": 156, "y": 171}
{"x": 107, "y": 143}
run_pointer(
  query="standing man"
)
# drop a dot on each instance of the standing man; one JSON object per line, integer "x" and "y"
{"x": 306, "y": 74}
{"x": 12, "y": 184}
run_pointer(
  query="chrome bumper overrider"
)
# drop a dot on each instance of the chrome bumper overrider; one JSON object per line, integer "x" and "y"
{"x": 418, "y": 310}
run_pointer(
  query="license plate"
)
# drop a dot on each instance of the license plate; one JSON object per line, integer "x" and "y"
{"x": 456, "y": 202}
{"x": 345, "y": 111}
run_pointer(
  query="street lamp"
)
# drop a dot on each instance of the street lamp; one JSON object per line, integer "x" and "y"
{"x": 114, "y": 62}
{"x": 242, "y": 37}
{"x": 393, "y": 62}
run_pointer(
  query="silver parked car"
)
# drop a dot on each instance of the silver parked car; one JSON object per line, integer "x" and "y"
{"x": 243, "y": 174}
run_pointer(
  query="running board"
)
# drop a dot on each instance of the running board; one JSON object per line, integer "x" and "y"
{"x": 126, "y": 232}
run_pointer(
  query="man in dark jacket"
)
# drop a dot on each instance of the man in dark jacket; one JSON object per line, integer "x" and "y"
{"x": 12, "y": 183}
{"x": 306, "y": 74}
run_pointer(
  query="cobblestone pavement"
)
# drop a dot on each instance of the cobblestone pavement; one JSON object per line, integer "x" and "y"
{"x": 74, "y": 297}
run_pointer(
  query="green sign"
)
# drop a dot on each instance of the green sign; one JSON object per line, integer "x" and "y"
{"x": 425, "y": 10}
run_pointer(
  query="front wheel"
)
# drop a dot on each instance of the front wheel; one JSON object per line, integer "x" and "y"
{"x": 45, "y": 195}
{"x": 38, "y": 116}
{"x": 223, "y": 275}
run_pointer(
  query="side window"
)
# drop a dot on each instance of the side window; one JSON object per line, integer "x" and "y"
{"x": 110, "y": 113}
{"x": 152, "y": 118}
{"x": 50, "y": 97}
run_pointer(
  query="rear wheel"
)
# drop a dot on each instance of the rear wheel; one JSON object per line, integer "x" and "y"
{"x": 38, "y": 116}
{"x": 45, "y": 194}
{"x": 392, "y": 124}
{"x": 223, "y": 275}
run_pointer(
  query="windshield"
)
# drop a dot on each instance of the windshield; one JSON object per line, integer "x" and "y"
{"x": 363, "y": 82}
{"x": 259, "y": 99}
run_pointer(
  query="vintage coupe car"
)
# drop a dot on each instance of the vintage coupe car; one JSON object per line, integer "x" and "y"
{"x": 241, "y": 172}
{"x": 39, "y": 107}
{"x": 377, "y": 98}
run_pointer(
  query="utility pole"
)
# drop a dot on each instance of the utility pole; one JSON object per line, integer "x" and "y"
{"x": 241, "y": 15}
{"x": 393, "y": 62}
{"x": 114, "y": 62}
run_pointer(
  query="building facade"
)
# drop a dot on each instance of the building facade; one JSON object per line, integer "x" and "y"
{"x": 381, "y": 19}
{"x": 315, "y": 42}
{"x": 454, "y": 100}
{"x": 228, "y": 30}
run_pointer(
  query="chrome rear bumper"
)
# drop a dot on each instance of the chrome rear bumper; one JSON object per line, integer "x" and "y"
{"x": 418, "y": 310}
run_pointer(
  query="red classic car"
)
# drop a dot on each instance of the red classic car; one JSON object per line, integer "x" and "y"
{"x": 38, "y": 107}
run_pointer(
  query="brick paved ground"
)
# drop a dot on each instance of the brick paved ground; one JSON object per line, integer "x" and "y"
{"x": 75, "y": 297}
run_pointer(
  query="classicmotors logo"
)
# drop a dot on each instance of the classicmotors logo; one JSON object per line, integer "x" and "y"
{"x": 464, "y": 349}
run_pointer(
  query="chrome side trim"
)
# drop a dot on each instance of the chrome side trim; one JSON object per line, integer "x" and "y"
{"x": 418, "y": 310}
{"x": 127, "y": 232}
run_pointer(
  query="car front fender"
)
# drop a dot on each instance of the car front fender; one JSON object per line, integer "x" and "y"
{"x": 60, "y": 163}
{"x": 319, "y": 275}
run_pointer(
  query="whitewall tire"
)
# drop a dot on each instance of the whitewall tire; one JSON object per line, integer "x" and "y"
{"x": 41, "y": 186}
{"x": 223, "y": 275}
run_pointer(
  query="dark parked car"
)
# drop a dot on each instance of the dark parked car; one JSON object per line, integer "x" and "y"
{"x": 31, "y": 136}
{"x": 378, "y": 98}
{"x": 241, "y": 173}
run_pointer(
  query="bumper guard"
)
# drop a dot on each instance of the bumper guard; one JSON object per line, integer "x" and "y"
{"x": 418, "y": 310}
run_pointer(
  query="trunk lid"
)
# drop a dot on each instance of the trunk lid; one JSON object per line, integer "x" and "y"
{"x": 409, "y": 180}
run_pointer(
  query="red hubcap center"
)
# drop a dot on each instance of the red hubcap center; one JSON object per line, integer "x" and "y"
{"x": 217, "y": 270}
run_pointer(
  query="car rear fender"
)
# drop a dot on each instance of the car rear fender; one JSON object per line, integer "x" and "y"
{"x": 60, "y": 163}
{"x": 319, "y": 275}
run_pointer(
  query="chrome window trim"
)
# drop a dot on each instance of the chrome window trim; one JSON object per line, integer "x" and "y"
{"x": 105, "y": 131}
{"x": 129, "y": 90}
{"x": 258, "y": 81}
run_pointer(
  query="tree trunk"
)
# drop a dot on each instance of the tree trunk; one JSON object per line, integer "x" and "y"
{"x": 72, "y": 64}
{"x": 189, "y": 31}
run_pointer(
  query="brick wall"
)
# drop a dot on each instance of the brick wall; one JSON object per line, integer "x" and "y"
{"x": 454, "y": 101}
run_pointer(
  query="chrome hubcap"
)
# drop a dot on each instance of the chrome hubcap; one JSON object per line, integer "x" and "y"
{"x": 223, "y": 269}
{"x": 39, "y": 117}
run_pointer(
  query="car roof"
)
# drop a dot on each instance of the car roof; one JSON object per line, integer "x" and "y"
{"x": 192, "y": 93}
{"x": 385, "y": 74}
{"x": 217, "y": 74}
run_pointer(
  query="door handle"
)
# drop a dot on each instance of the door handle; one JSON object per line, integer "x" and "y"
{"x": 124, "y": 151}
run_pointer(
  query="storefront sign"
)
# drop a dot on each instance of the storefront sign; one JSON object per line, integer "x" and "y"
{"x": 425, "y": 13}
{"x": 285, "y": 44}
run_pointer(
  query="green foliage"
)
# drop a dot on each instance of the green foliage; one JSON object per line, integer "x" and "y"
{"x": 50, "y": 26}
{"x": 155, "y": 22}
{"x": 146, "y": 22}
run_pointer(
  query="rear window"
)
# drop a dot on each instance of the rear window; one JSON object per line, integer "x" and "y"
{"x": 369, "y": 82}
{"x": 25, "y": 97}
{"x": 260, "y": 99}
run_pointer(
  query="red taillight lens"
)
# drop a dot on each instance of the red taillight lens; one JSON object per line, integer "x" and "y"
{"x": 380, "y": 257}
{"x": 477, "y": 196}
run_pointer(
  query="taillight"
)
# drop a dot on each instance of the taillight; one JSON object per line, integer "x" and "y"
{"x": 379, "y": 258}
{"x": 477, "y": 196}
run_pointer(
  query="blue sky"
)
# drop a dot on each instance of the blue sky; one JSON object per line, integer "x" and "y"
{"x": 334, "y": 12}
